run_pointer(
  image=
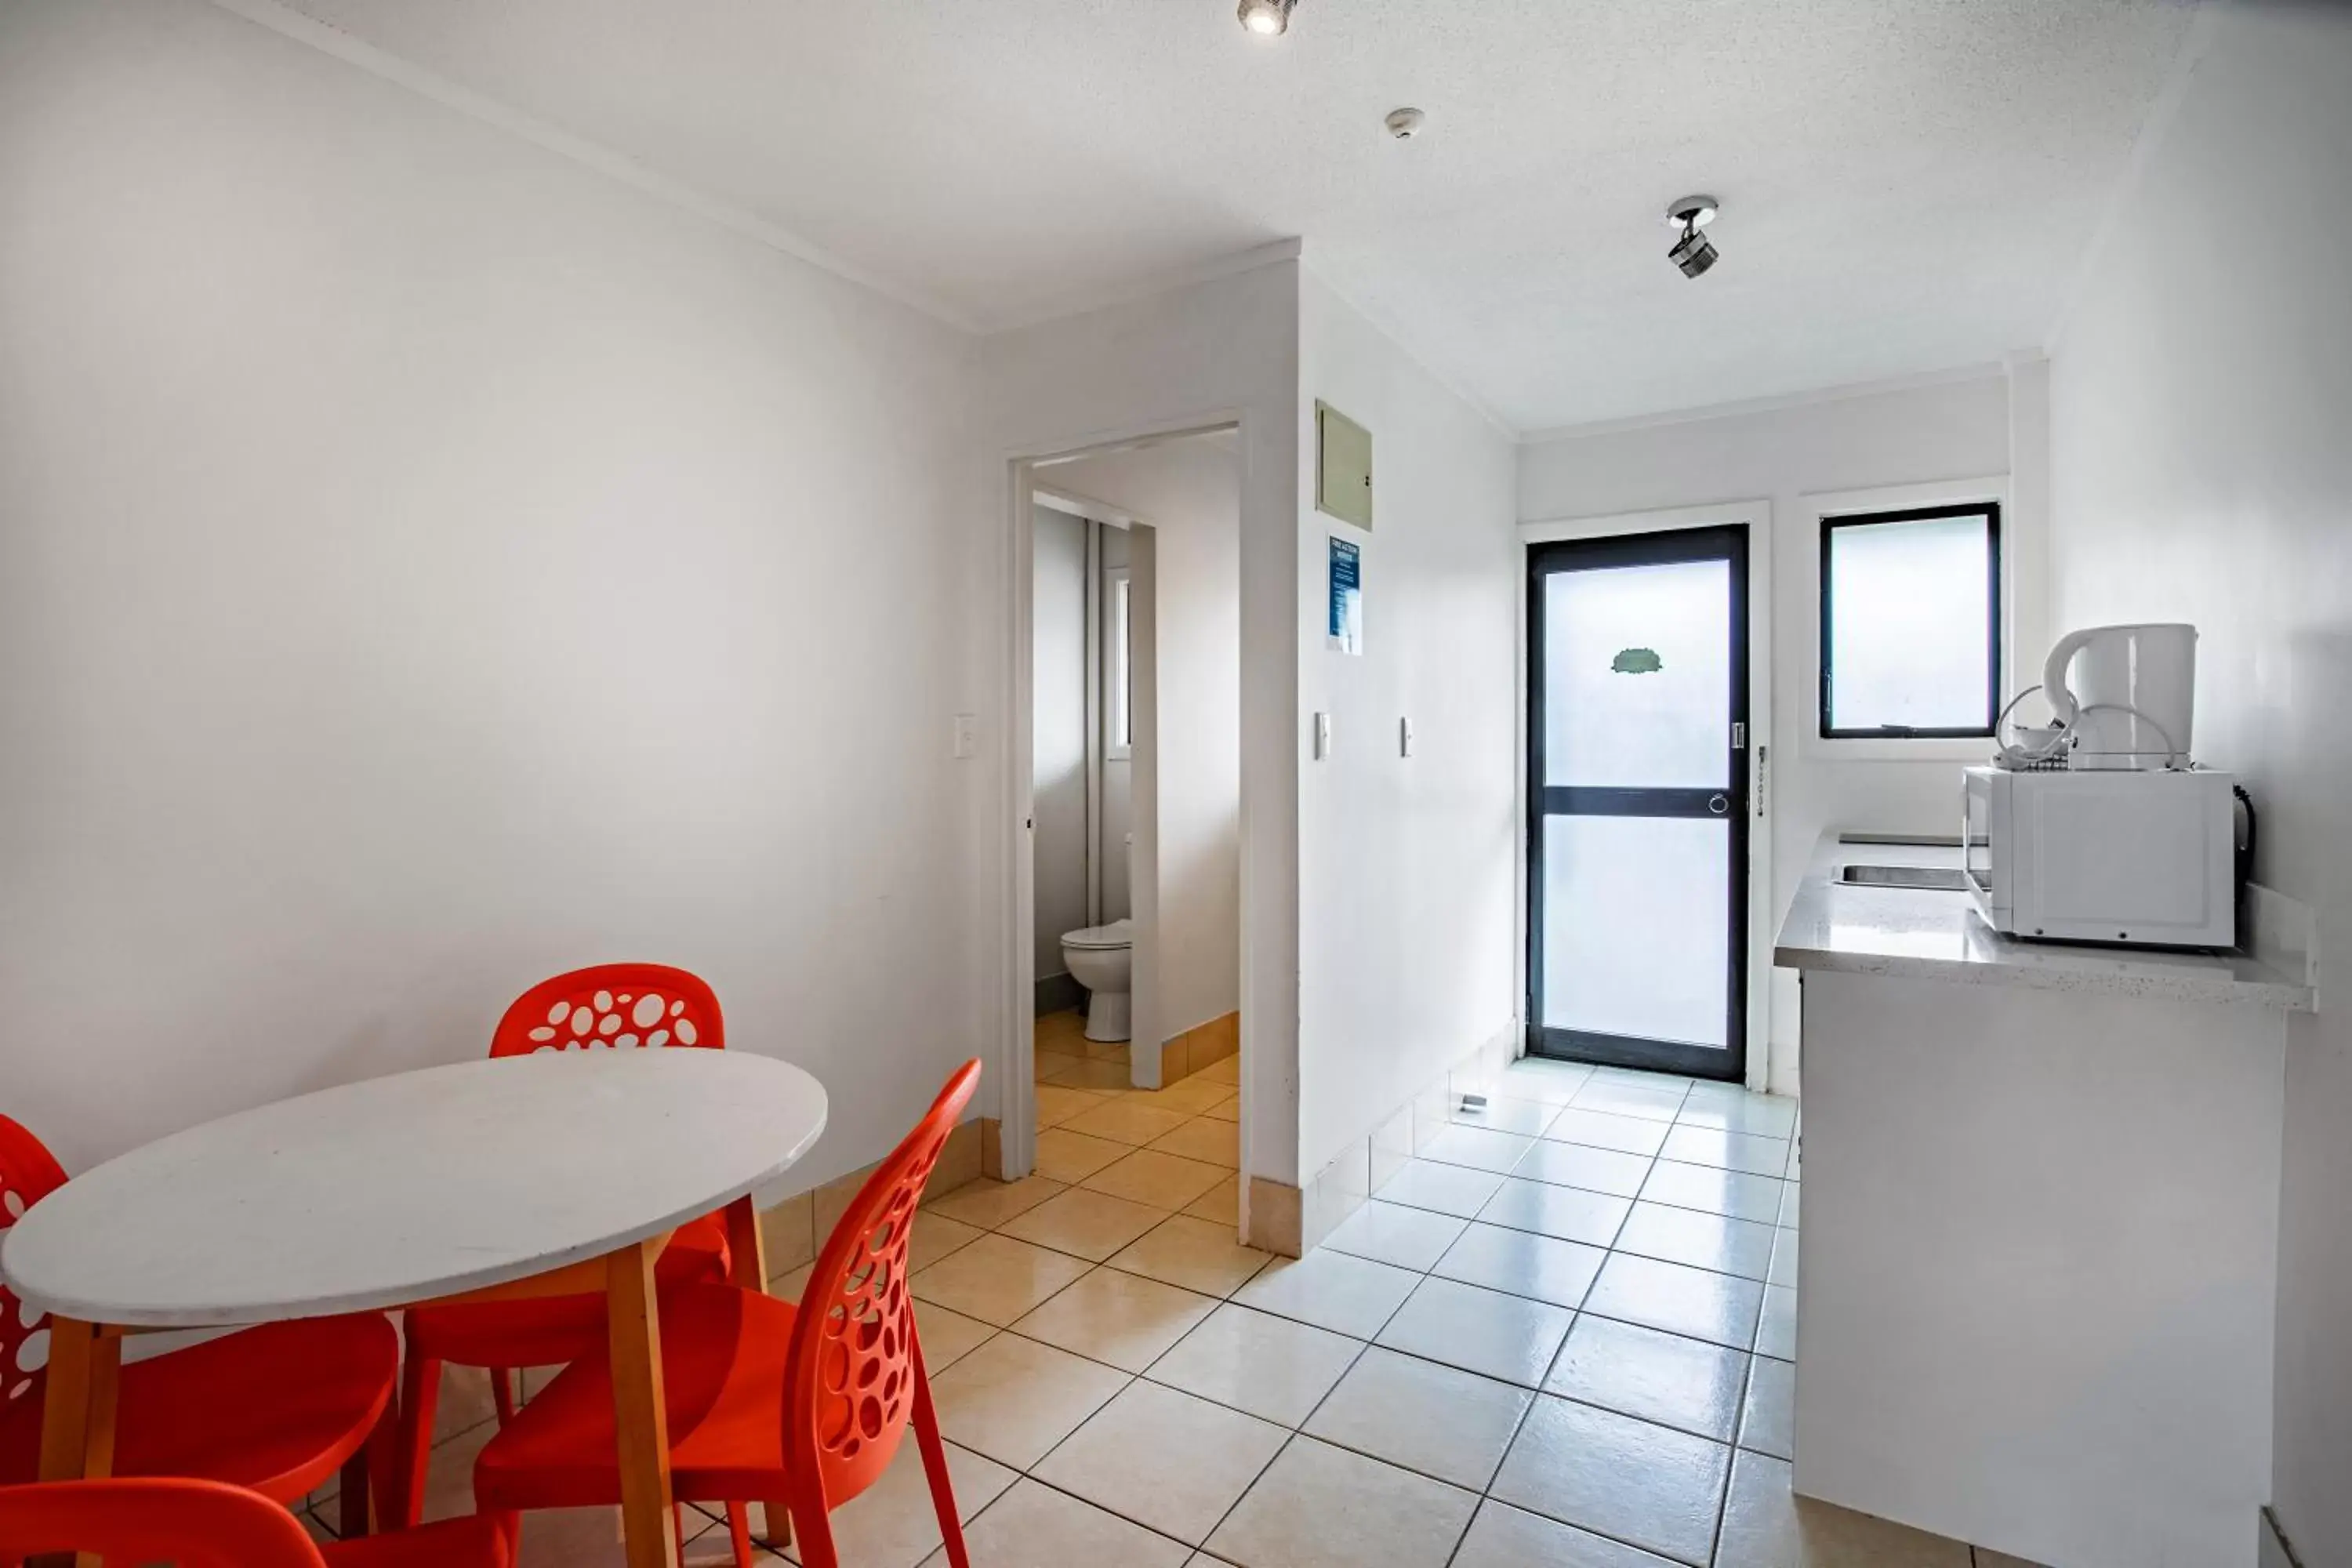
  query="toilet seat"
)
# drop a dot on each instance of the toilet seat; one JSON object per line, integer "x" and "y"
{"x": 1101, "y": 939}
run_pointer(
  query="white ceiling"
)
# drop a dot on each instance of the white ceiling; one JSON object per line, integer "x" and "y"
{"x": 1909, "y": 184}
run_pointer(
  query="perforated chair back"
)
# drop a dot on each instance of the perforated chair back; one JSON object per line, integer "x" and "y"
{"x": 611, "y": 1005}
{"x": 29, "y": 1173}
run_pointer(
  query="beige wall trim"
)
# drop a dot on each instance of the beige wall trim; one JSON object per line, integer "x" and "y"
{"x": 1186, "y": 1053}
{"x": 1274, "y": 1217}
{"x": 796, "y": 1228}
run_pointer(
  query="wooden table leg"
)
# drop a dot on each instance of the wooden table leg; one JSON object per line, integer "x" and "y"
{"x": 85, "y": 1371}
{"x": 746, "y": 1246}
{"x": 640, "y": 1419}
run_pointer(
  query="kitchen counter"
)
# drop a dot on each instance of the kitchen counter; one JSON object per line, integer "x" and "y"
{"x": 2038, "y": 1270}
{"x": 1928, "y": 934}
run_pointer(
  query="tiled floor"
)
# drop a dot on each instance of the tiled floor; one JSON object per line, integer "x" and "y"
{"x": 1563, "y": 1350}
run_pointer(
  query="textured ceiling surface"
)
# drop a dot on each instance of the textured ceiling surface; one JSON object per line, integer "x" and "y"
{"x": 1908, "y": 184}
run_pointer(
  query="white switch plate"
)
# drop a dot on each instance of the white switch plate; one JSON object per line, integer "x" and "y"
{"x": 1322, "y": 736}
{"x": 967, "y": 735}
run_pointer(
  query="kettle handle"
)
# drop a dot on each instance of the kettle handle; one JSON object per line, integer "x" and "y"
{"x": 2054, "y": 689}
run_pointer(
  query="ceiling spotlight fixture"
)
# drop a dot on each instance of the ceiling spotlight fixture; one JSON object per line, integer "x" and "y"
{"x": 1404, "y": 124}
{"x": 1694, "y": 252}
{"x": 1267, "y": 18}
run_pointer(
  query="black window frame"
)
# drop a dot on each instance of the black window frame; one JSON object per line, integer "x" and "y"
{"x": 1990, "y": 511}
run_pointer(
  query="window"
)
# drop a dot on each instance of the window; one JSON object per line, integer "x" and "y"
{"x": 1118, "y": 718}
{"x": 1911, "y": 623}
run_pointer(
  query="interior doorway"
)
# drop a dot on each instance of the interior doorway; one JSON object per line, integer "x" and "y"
{"x": 1638, "y": 800}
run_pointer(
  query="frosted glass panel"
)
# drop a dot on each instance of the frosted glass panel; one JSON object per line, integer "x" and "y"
{"x": 1910, "y": 624}
{"x": 1635, "y": 926}
{"x": 1637, "y": 677}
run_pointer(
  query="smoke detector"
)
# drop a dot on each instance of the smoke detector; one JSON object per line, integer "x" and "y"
{"x": 1267, "y": 18}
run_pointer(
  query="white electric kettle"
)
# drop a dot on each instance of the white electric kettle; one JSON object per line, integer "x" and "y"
{"x": 2127, "y": 695}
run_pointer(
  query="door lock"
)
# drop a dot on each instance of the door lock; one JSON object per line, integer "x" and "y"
{"x": 1718, "y": 805}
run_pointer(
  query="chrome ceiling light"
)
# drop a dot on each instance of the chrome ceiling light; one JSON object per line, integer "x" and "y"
{"x": 1694, "y": 252}
{"x": 1267, "y": 18}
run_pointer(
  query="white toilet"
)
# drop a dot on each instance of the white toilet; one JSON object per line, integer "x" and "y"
{"x": 1101, "y": 958}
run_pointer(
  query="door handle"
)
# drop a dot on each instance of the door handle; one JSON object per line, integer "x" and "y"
{"x": 1718, "y": 805}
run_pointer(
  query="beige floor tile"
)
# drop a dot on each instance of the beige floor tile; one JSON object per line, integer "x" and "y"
{"x": 1207, "y": 1140}
{"x": 1681, "y": 1300}
{"x": 1321, "y": 1506}
{"x": 1109, "y": 1051}
{"x": 1444, "y": 1423}
{"x": 1062, "y": 1031}
{"x": 988, "y": 1204}
{"x": 1084, "y": 1224}
{"x": 1507, "y": 1337}
{"x": 936, "y": 1236}
{"x": 1164, "y": 1458}
{"x": 1600, "y": 1130}
{"x": 1352, "y": 1296}
{"x": 1056, "y": 1104}
{"x": 1734, "y": 1194}
{"x": 948, "y": 1336}
{"x": 1124, "y": 1319}
{"x": 1768, "y": 1423}
{"x": 1087, "y": 1073}
{"x": 1646, "y": 1485}
{"x": 1581, "y": 1165}
{"x": 1765, "y": 1525}
{"x": 1198, "y": 1254}
{"x": 1187, "y": 1096}
{"x": 1269, "y": 1366}
{"x": 1521, "y": 1263}
{"x": 1226, "y": 1071}
{"x": 1701, "y": 1240}
{"x": 792, "y": 1283}
{"x": 1167, "y": 1182}
{"x": 1126, "y": 1120}
{"x": 1446, "y": 1189}
{"x": 1569, "y": 1214}
{"x": 1393, "y": 1233}
{"x": 1506, "y": 1537}
{"x": 1479, "y": 1148}
{"x": 1066, "y": 1156}
{"x": 894, "y": 1523}
{"x": 1034, "y": 1526}
{"x": 1226, "y": 1109}
{"x": 1688, "y": 1385}
{"x": 997, "y": 1278}
{"x": 1012, "y": 1399}
{"x": 1776, "y": 1330}
{"x": 1221, "y": 1203}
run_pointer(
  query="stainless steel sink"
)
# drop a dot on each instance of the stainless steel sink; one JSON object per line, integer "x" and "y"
{"x": 1942, "y": 877}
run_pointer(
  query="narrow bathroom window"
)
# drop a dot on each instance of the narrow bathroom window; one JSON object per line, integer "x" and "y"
{"x": 1118, "y": 723}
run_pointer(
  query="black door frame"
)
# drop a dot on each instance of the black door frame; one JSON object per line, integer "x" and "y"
{"x": 1727, "y": 543}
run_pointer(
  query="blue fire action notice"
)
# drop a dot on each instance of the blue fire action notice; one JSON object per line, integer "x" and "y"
{"x": 1347, "y": 629}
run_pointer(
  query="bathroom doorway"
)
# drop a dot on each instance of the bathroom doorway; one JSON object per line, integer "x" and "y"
{"x": 1133, "y": 935}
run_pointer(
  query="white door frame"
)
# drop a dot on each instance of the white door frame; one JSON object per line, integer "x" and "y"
{"x": 1756, "y": 516}
{"x": 1017, "y": 967}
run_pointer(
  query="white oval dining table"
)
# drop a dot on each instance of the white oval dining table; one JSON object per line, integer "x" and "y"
{"x": 551, "y": 1174}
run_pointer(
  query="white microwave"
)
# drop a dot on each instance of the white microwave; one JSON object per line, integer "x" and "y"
{"x": 2139, "y": 858}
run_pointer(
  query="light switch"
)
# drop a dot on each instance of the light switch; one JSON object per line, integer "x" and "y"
{"x": 1322, "y": 736}
{"x": 1404, "y": 737}
{"x": 967, "y": 735}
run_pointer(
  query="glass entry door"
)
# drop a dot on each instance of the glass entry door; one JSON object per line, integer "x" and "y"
{"x": 1637, "y": 844}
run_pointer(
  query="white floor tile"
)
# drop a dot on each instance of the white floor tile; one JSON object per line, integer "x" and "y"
{"x": 1712, "y": 1190}
{"x": 1766, "y": 1525}
{"x": 1647, "y": 1485}
{"x": 1785, "y": 1250}
{"x": 1446, "y": 1189}
{"x": 1768, "y": 1422}
{"x": 1570, "y": 1214}
{"x": 894, "y": 1523}
{"x": 1685, "y": 1383}
{"x": 1730, "y": 1110}
{"x": 1164, "y": 1458}
{"x": 1438, "y": 1420}
{"x": 1506, "y": 1537}
{"x": 1788, "y": 1191}
{"x": 1776, "y": 1335}
{"x": 1478, "y": 1148}
{"x": 1393, "y": 1233}
{"x": 1581, "y": 1165}
{"x": 1553, "y": 1083}
{"x": 1322, "y": 1507}
{"x": 1269, "y": 1366}
{"x": 1719, "y": 1308}
{"x": 1012, "y": 1399}
{"x": 1701, "y": 1240}
{"x": 1034, "y": 1526}
{"x": 1727, "y": 1151}
{"x": 1523, "y": 1264}
{"x": 1122, "y": 1320}
{"x": 1656, "y": 1102}
{"x": 1348, "y": 1295}
{"x": 1510, "y": 1338}
{"x": 1600, "y": 1130}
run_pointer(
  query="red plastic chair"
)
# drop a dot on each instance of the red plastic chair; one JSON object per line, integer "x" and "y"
{"x": 801, "y": 1409}
{"x": 607, "y": 1006}
{"x": 205, "y": 1524}
{"x": 279, "y": 1408}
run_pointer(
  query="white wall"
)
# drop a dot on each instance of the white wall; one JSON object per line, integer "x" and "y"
{"x": 1113, "y": 846}
{"x": 1219, "y": 352}
{"x": 1406, "y": 887}
{"x": 1954, "y": 431}
{"x": 1058, "y": 740}
{"x": 2200, "y": 399}
{"x": 430, "y": 565}
{"x": 1188, "y": 493}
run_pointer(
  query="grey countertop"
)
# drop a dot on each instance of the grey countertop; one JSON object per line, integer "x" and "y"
{"x": 1912, "y": 934}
